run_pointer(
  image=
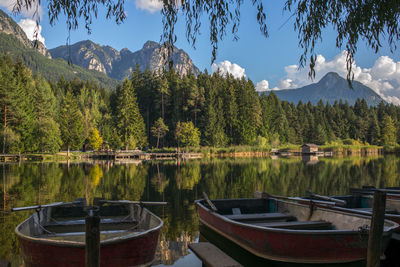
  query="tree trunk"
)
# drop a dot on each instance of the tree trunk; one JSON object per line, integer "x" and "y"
{"x": 162, "y": 105}
{"x": 68, "y": 151}
{"x": 158, "y": 139}
{"x": 5, "y": 127}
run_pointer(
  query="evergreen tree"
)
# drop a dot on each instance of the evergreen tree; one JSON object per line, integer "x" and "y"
{"x": 388, "y": 131}
{"x": 129, "y": 121}
{"x": 71, "y": 123}
{"x": 47, "y": 132}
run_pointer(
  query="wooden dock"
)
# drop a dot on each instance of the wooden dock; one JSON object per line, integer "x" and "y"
{"x": 212, "y": 256}
{"x": 11, "y": 157}
{"x": 130, "y": 155}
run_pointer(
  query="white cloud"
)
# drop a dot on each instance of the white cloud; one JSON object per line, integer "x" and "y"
{"x": 262, "y": 86}
{"x": 226, "y": 67}
{"x": 34, "y": 12}
{"x": 30, "y": 28}
{"x": 149, "y": 5}
{"x": 383, "y": 77}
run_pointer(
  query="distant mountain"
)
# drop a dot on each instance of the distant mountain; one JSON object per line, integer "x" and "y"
{"x": 9, "y": 26}
{"x": 13, "y": 42}
{"x": 330, "y": 88}
{"x": 120, "y": 64}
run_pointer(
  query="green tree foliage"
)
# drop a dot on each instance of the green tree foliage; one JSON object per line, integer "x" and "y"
{"x": 95, "y": 139}
{"x": 47, "y": 132}
{"x": 159, "y": 130}
{"x": 37, "y": 115}
{"x": 388, "y": 131}
{"x": 129, "y": 121}
{"x": 71, "y": 123}
{"x": 186, "y": 134}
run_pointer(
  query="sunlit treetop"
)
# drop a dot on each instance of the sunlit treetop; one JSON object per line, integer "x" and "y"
{"x": 371, "y": 21}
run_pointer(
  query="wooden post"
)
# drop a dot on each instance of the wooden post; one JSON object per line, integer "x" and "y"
{"x": 376, "y": 229}
{"x": 92, "y": 248}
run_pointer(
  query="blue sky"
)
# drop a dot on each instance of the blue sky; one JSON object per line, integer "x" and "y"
{"x": 270, "y": 63}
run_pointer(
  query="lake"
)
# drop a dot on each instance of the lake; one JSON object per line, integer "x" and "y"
{"x": 179, "y": 183}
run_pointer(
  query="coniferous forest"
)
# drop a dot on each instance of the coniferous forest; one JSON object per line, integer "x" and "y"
{"x": 167, "y": 110}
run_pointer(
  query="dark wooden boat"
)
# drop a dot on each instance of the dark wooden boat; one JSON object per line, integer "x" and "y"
{"x": 287, "y": 231}
{"x": 55, "y": 235}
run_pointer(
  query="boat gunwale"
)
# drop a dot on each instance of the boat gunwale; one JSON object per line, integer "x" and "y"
{"x": 114, "y": 240}
{"x": 387, "y": 229}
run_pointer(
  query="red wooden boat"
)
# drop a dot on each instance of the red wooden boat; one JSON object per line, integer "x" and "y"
{"x": 55, "y": 235}
{"x": 291, "y": 232}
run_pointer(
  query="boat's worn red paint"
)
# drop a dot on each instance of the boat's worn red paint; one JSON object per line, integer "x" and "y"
{"x": 300, "y": 246}
{"x": 54, "y": 236}
{"x": 132, "y": 252}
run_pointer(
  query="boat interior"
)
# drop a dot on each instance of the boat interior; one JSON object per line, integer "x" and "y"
{"x": 273, "y": 213}
{"x": 67, "y": 223}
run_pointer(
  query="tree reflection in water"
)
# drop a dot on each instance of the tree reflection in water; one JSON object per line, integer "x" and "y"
{"x": 179, "y": 184}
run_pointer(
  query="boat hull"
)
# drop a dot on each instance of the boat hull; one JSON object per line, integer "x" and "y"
{"x": 290, "y": 245}
{"x": 55, "y": 236}
{"x": 132, "y": 252}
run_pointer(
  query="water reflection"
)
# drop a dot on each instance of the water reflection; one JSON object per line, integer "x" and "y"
{"x": 179, "y": 184}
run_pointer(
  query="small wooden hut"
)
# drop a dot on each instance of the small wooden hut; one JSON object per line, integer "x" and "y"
{"x": 309, "y": 149}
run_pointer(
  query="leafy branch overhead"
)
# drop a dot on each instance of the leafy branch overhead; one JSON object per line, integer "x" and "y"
{"x": 370, "y": 21}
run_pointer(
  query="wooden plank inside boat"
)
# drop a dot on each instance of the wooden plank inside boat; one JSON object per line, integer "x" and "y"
{"x": 297, "y": 225}
{"x": 275, "y": 216}
{"x": 213, "y": 256}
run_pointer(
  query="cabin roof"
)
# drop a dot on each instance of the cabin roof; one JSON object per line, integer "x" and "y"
{"x": 310, "y": 145}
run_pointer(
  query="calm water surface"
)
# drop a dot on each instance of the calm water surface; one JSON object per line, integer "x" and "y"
{"x": 180, "y": 184}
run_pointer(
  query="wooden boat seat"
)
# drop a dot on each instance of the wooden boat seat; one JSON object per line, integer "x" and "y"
{"x": 80, "y": 236}
{"x": 104, "y": 226}
{"x": 298, "y": 225}
{"x": 275, "y": 216}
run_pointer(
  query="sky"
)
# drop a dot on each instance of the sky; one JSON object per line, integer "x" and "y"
{"x": 271, "y": 63}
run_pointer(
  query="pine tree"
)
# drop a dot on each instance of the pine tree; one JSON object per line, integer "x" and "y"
{"x": 71, "y": 123}
{"x": 388, "y": 131}
{"x": 129, "y": 121}
{"x": 47, "y": 132}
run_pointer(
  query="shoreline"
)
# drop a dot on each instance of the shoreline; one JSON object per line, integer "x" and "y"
{"x": 202, "y": 152}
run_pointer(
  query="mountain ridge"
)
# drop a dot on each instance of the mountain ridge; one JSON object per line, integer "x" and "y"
{"x": 9, "y": 26}
{"x": 330, "y": 88}
{"x": 119, "y": 64}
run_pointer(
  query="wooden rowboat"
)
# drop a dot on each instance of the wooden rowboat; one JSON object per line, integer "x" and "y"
{"x": 287, "y": 231}
{"x": 55, "y": 235}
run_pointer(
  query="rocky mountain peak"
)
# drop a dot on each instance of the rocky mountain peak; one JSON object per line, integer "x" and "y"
{"x": 151, "y": 45}
{"x": 120, "y": 64}
{"x": 9, "y": 26}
